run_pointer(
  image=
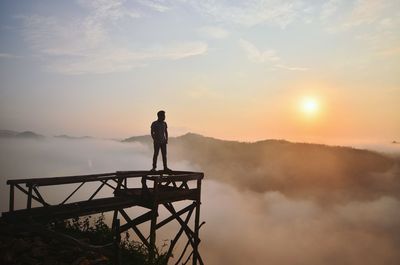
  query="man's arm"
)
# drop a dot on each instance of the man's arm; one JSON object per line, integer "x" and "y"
{"x": 166, "y": 132}
{"x": 152, "y": 131}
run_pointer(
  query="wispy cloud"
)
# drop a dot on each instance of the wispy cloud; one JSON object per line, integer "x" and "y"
{"x": 84, "y": 45}
{"x": 108, "y": 9}
{"x": 157, "y": 5}
{"x": 292, "y": 68}
{"x": 269, "y": 55}
{"x": 367, "y": 12}
{"x": 251, "y": 13}
{"x": 214, "y": 32}
{"x": 329, "y": 8}
{"x": 256, "y": 55}
{"x": 8, "y": 56}
{"x": 108, "y": 61}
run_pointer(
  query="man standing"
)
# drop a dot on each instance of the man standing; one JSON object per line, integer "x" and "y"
{"x": 159, "y": 134}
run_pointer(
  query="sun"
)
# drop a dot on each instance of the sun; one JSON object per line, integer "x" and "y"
{"x": 309, "y": 106}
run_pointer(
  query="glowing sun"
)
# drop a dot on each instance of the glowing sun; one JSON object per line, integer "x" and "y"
{"x": 309, "y": 106}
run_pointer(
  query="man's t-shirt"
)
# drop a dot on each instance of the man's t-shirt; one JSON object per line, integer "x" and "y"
{"x": 158, "y": 129}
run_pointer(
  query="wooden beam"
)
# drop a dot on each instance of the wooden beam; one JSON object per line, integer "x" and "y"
{"x": 29, "y": 200}
{"x": 135, "y": 229}
{"x": 196, "y": 255}
{"x": 97, "y": 191}
{"x": 137, "y": 221}
{"x": 26, "y": 192}
{"x": 64, "y": 201}
{"x": 62, "y": 180}
{"x": 173, "y": 242}
{"x": 42, "y": 201}
{"x": 11, "y": 202}
{"x": 188, "y": 231}
{"x": 173, "y": 216}
{"x": 153, "y": 221}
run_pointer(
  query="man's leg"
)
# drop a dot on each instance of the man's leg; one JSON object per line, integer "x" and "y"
{"x": 155, "y": 155}
{"x": 164, "y": 155}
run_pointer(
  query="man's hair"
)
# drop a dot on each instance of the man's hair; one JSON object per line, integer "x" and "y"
{"x": 160, "y": 113}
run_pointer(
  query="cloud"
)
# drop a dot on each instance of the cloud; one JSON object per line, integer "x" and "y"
{"x": 291, "y": 68}
{"x": 109, "y": 61}
{"x": 85, "y": 45}
{"x": 366, "y": 12}
{"x": 270, "y": 228}
{"x": 157, "y": 5}
{"x": 256, "y": 55}
{"x": 8, "y": 56}
{"x": 214, "y": 32}
{"x": 267, "y": 56}
{"x": 251, "y": 13}
{"x": 329, "y": 8}
{"x": 242, "y": 226}
{"x": 108, "y": 9}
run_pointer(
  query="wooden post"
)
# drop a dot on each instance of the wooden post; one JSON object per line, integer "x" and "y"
{"x": 153, "y": 224}
{"x": 114, "y": 220}
{"x": 117, "y": 240}
{"x": 196, "y": 224}
{"x": 29, "y": 201}
{"x": 11, "y": 198}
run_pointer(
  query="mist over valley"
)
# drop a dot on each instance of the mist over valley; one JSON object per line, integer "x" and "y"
{"x": 271, "y": 201}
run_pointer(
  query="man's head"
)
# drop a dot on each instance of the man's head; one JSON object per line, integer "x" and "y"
{"x": 161, "y": 115}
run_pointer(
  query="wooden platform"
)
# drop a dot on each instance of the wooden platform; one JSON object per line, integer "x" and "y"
{"x": 121, "y": 197}
{"x": 157, "y": 189}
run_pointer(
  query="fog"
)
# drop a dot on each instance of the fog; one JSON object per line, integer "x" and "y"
{"x": 244, "y": 225}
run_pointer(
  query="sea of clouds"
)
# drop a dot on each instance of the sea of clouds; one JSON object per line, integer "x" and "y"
{"x": 242, "y": 226}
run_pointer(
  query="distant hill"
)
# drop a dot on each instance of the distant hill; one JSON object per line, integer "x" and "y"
{"x": 142, "y": 138}
{"x": 64, "y": 136}
{"x": 296, "y": 169}
{"x": 25, "y": 134}
{"x": 33, "y": 135}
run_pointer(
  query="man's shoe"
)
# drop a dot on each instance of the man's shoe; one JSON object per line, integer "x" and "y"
{"x": 167, "y": 169}
{"x": 153, "y": 169}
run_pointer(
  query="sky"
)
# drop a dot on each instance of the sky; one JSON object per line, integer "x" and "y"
{"x": 241, "y": 70}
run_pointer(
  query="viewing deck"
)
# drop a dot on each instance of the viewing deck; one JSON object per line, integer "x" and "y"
{"x": 155, "y": 188}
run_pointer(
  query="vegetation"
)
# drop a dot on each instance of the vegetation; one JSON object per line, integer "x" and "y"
{"x": 95, "y": 231}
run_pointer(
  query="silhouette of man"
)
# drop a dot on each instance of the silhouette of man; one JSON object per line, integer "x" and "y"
{"x": 159, "y": 133}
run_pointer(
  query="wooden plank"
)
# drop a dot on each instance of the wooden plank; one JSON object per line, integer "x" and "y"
{"x": 60, "y": 180}
{"x": 105, "y": 176}
{"x": 71, "y": 209}
{"x": 186, "y": 177}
